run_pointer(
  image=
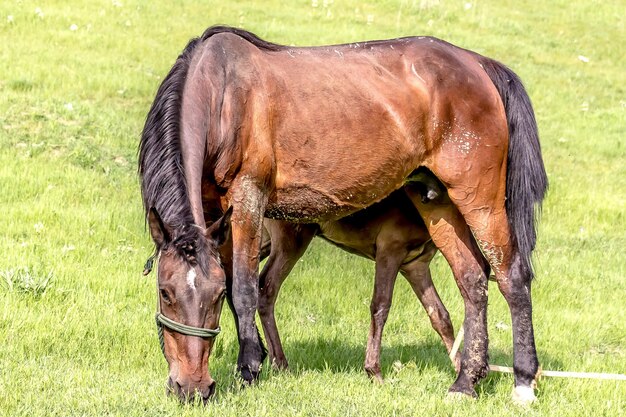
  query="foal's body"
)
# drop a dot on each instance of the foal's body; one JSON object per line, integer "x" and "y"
{"x": 390, "y": 233}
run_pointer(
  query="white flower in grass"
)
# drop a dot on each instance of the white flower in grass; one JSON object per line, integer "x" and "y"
{"x": 584, "y": 106}
{"x": 39, "y": 227}
{"x": 39, "y": 13}
{"x": 468, "y": 6}
{"x": 10, "y": 18}
{"x": 370, "y": 19}
{"x": 117, "y": 3}
{"x": 583, "y": 58}
{"x": 68, "y": 106}
{"x": 74, "y": 27}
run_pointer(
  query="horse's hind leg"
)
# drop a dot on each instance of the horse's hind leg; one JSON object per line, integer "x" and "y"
{"x": 288, "y": 243}
{"x": 452, "y": 236}
{"x": 480, "y": 199}
{"x": 492, "y": 232}
{"x": 418, "y": 275}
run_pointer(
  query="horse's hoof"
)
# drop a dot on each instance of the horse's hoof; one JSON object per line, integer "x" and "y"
{"x": 456, "y": 396}
{"x": 523, "y": 396}
{"x": 249, "y": 377}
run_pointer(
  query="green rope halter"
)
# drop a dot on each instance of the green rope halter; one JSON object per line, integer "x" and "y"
{"x": 162, "y": 321}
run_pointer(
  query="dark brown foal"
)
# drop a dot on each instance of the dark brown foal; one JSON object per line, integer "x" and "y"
{"x": 390, "y": 233}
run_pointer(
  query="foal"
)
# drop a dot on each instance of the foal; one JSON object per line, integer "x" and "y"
{"x": 391, "y": 233}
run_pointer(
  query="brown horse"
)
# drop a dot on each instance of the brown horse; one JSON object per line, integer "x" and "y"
{"x": 314, "y": 134}
{"x": 391, "y": 233}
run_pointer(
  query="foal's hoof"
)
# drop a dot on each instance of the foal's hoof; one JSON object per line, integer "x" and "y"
{"x": 375, "y": 374}
{"x": 523, "y": 396}
{"x": 377, "y": 379}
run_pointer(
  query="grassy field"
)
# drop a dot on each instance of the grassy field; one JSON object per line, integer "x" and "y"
{"x": 77, "y": 334}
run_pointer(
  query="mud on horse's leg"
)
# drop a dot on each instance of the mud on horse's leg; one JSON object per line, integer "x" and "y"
{"x": 452, "y": 236}
{"x": 515, "y": 285}
{"x": 248, "y": 204}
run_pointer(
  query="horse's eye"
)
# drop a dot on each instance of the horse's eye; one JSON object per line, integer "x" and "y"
{"x": 166, "y": 297}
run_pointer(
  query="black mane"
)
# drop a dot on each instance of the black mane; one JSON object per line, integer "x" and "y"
{"x": 163, "y": 185}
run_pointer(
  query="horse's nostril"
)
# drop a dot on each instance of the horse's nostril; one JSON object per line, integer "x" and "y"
{"x": 178, "y": 388}
{"x": 210, "y": 390}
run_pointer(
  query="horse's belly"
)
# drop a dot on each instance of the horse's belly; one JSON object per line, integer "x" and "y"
{"x": 307, "y": 205}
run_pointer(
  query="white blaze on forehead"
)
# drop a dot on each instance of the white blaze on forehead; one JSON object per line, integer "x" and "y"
{"x": 191, "y": 278}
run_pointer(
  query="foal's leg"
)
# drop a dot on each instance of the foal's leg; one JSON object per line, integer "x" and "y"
{"x": 417, "y": 273}
{"x": 289, "y": 242}
{"x": 452, "y": 236}
{"x": 388, "y": 260}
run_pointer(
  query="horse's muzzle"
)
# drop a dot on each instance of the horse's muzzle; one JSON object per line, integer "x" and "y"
{"x": 188, "y": 391}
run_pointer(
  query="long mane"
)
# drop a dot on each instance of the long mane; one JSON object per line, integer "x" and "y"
{"x": 163, "y": 185}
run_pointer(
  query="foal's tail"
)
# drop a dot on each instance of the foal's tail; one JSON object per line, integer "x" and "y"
{"x": 526, "y": 180}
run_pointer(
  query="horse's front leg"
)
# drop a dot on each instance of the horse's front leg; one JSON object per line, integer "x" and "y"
{"x": 248, "y": 203}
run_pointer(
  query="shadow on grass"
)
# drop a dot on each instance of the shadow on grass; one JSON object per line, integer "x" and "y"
{"x": 338, "y": 356}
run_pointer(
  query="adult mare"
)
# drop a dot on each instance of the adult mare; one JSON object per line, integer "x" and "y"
{"x": 317, "y": 133}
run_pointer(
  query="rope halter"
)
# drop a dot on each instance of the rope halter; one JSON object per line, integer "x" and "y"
{"x": 163, "y": 321}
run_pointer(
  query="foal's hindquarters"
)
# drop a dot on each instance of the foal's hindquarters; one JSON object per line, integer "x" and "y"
{"x": 391, "y": 233}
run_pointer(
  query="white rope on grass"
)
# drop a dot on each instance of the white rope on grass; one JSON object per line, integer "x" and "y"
{"x": 556, "y": 374}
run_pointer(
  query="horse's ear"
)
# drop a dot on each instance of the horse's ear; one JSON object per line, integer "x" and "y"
{"x": 219, "y": 231}
{"x": 158, "y": 230}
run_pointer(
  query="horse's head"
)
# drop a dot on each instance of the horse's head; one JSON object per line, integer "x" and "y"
{"x": 191, "y": 283}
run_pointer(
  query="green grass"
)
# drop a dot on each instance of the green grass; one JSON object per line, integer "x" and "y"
{"x": 77, "y": 335}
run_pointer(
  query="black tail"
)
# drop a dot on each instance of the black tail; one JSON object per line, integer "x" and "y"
{"x": 526, "y": 180}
